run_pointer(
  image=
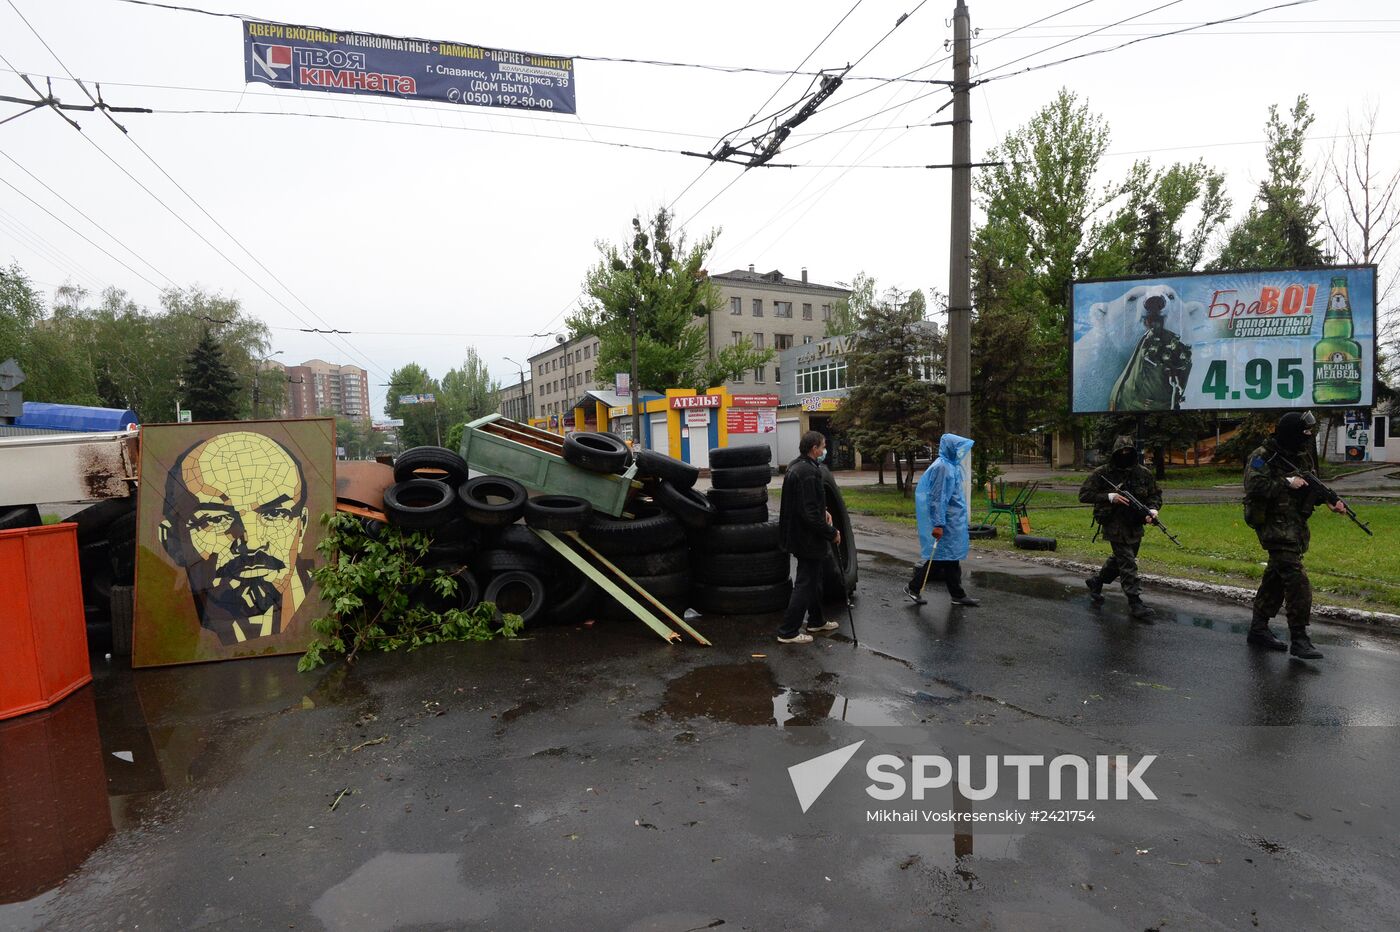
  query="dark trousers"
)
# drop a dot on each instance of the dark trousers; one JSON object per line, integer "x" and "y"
{"x": 948, "y": 571}
{"x": 1123, "y": 564}
{"x": 806, "y": 597}
{"x": 1285, "y": 581}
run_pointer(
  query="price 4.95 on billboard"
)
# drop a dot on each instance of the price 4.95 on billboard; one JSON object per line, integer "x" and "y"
{"x": 1262, "y": 379}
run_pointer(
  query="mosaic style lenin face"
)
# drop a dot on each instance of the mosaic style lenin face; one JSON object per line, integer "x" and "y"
{"x": 235, "y": 519}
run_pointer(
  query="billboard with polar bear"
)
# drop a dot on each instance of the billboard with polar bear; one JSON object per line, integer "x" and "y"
{"x": 1224, "y": 341}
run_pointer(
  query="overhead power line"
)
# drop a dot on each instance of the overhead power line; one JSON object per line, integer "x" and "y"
{"x": 346, "y": 344}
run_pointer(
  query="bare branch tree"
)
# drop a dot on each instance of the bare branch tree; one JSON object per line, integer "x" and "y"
{"x": 1362, "y": 217}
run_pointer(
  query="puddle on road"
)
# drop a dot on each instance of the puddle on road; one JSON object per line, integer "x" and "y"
{"x": 749, "y": 694}
{"x": 99, "y": 761}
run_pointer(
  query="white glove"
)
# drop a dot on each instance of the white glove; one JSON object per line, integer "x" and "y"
{"x": 1115, "y": 499}
{"x": 1297, "y": 482}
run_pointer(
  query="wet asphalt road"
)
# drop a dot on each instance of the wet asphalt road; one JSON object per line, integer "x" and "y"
{"x": 592, "y": 777}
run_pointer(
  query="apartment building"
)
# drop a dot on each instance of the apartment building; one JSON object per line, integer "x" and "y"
{"x": 771, "y": 311}
{"x": 515, "y": 400}
{"x": 318, "y": 386}
{"x": 561, "y": 374}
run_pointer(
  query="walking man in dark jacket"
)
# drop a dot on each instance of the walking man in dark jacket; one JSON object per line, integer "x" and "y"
{"x": 1277, "y": 504}
{"x": 1121, "y": 523}
{"x": 806, "y": 532}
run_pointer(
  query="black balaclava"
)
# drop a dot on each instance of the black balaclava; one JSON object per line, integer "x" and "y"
{"x": 1295, "y": 431}
{"x": 1124, "y": 452}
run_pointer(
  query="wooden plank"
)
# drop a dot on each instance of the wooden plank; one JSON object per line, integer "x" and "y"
{"x": 680, "y": 622}
{"x": 612, "y": 589}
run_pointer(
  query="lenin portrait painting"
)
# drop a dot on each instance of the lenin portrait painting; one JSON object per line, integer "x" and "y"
{"x": 228, "y": 518}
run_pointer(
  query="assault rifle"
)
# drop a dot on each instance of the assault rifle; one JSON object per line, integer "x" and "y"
{"x": 1322, "y": 492}
{"x": 1142, "y": 509}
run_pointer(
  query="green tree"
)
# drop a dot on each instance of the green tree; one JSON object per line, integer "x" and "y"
{"x": 467, "y": 393}
{"x": 847, "y": 312}
{"x": 210, "y": 387}
{"x": 658, "y": 284}
{"x": 420, "y": 421}
{"x": 893, "y": 406}
{"x": 1283, "y": 227}
{"x": 36, "y": 339}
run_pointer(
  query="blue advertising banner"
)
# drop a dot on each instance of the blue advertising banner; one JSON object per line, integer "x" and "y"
{"x": 307, "y": 58}
{"x": 1224, "y": 341}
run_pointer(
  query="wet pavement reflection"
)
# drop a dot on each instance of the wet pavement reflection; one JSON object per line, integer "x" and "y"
{"x": 98, "y": 761}
{"x": 749, "y": 694}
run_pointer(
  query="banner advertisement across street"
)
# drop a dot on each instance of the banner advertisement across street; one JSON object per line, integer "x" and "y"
{"x": 1224, "y": 341}
{"x": 309, "y": 58}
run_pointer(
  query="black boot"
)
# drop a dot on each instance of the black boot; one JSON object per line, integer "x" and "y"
{"x": 1139, "y": 609}
{"x": 1095, "y": 589}
{"x": 1260, "y": 635}
{"x": 1302, "y": 646}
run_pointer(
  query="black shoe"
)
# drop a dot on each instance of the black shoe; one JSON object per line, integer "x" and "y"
{"x": 1263, "y": 637}
{"x": 914, "y": 597}
{"x": 1140, "y": 610}
{"x": 1095, "y": 590}
{"x": 1302, "y": 648}
{"x": 966, "y": 600}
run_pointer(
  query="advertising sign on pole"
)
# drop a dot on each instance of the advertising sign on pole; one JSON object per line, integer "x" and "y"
{"x": 623, "y": 383}
{"x": 1224, "y": 341}
{"x": 309, "y": 58}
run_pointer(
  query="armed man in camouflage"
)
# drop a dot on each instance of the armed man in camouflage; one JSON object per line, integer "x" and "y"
{"x": 1278, "y": 504}
{"x": 1121, "y": 524}
{"x": 1155, "y": 377}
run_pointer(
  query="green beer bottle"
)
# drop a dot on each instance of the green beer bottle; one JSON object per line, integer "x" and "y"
{"x": 1337, "y": 357}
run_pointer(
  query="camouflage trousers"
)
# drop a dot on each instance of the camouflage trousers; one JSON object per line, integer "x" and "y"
{"x": 1123, "y": 564}
{"x": 1285, "y": 582}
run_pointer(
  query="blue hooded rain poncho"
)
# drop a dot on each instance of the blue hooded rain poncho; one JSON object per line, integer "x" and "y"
{"x": 939, "y": 501}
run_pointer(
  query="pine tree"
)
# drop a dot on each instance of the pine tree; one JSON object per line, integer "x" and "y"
{"x": 210, "y": 386}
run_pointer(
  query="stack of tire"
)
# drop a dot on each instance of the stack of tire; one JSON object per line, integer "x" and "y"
{"x": 476, "y": 538}
{"x": 739, "y": 567}
{"x": 648, "y": 542}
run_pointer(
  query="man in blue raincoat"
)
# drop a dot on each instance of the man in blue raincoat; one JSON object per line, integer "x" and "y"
{"x": 941, "y": 508}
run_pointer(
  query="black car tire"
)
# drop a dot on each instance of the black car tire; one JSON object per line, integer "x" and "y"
{"x": 742, "y": 600}
{"x": 740, "y": 477}
{"x": 430, "y": 463}
{"x": 981, "y": 531}
{"x": 574, "y": 607}
{"x": 653, "y": 562}
{"x": 744, "y": 569}
{"x": 749, "y": 455}
{"x": 690, "y": 506}
{"x": 596, "y": 452}
{"x": 465, "y": 598}
{"x": 479, "y": 507}
{"x": 651, "y": 530}
{"x": 1031, "y": 542}
{"x": 660, "y": 466}
{"x": 419, "y": 503}
{"x": 742, "y": 538}
{"x": 558, "y": 513}
{"x": 517, "y": 538}
{"x": 756, "y": 515}
{"x": 521, "y": 592}
{"x": 663, "y": 588}
{"x": 725, "y": 499}
{"x": 93, "y": 520}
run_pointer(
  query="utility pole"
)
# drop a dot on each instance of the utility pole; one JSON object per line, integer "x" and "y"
{"x": 958, "y": 418}
{"x": 635, "y": 388}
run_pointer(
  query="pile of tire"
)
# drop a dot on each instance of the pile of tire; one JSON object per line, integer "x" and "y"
{"x": 649, "y": 541}
{"x": 739, "y": 567}
{"x": 476, "y": 537}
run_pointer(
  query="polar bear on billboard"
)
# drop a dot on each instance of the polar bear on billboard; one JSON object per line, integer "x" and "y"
{"x": 1114, "y": 329}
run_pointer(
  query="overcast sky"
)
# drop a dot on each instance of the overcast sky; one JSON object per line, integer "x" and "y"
{"x": 473, "y": 226}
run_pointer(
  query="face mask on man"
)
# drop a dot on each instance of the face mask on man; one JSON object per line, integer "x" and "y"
{"x": 821, "y": 457}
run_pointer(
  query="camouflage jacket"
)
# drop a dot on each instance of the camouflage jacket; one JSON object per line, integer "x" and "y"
{"x": 1278, "y": 514}
{"x": 1120, "y": 522}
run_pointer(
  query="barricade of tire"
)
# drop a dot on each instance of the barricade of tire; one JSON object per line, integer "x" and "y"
{"x": 648, "y": 544}
{"x": 739, "y": 568}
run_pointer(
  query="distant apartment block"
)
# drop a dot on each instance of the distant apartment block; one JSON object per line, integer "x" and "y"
{"x": 317, "y": 386}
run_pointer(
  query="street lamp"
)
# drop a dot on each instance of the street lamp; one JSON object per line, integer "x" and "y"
{"x": 563, "y": 340}
{"x": 520, "y": 406}
{"x": 257, "y": 372}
